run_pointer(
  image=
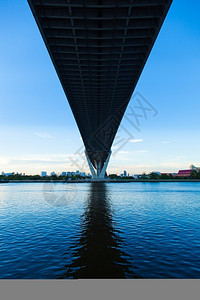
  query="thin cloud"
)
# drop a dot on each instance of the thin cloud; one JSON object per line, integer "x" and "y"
{"x": 136, "y": 141}
{"x": 171, "y": 165}
{"x": 48, "y": 158}
{"x": 181, "y": 157}
{"x": 44, "y": 135}
{"x": 166, "y": 142}
{"x": 141, "y": 151}
{"x": 4, "y": 160}
{"x": 123, "y": 152}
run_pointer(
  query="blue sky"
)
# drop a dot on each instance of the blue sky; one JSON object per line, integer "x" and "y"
{"x": 37, "y": 128}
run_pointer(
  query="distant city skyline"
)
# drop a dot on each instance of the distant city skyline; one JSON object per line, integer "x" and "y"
{"x": 124, "y": 173}
{"x": 38, "y": 131}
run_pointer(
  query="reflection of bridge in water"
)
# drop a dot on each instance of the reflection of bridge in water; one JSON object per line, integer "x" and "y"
{"x": 99, "y": 254}
{"x": 99, "y": 49}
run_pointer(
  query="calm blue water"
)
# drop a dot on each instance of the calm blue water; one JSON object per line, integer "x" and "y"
{"x": 112, "y": 230}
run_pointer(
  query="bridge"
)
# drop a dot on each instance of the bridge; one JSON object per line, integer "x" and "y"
{"x": 99, "y": 49}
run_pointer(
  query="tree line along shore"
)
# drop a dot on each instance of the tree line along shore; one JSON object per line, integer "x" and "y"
{"x": 194, "y": 176}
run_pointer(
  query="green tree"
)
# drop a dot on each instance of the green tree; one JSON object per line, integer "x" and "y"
{"x": 154, "y": 175}
{"x": 193, "y": 174}
{"x": 144, "y": 176}
{"x": 113, "y": 176}
{"x": 165, "y": 176}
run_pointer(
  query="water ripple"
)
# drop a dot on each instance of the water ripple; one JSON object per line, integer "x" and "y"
{"x": 114, "y": 230}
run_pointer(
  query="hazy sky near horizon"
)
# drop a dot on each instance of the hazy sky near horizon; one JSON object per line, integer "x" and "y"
{"x": 38, "y": 131}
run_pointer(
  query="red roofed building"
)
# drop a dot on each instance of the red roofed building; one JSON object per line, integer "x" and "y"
{"x": 184, "y": 173}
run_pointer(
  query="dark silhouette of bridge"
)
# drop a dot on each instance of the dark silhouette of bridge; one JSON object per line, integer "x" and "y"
{"x": 99, "y": 49}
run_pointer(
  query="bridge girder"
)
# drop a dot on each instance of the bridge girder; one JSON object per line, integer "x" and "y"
{"x": 99, "y": 49}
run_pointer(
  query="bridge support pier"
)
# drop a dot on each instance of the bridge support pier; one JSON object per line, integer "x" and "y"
{"x": 98, "y": 173}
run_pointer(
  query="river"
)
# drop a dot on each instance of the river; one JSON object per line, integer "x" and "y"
{"x": 100, "y": 230}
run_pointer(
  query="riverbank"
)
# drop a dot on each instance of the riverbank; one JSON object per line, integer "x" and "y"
{"x": 106, "y": 180}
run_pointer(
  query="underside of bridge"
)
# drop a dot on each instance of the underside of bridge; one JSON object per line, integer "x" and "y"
{"x": 99, "y": 49}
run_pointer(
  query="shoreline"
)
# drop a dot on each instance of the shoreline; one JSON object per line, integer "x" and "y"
{"x": 106, "y": 181}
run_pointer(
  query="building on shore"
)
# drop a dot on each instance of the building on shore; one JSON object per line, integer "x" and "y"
{"x": 43, "y": 174}
{"x": 168, "y": 174}
{"x": 124, "y": 174}
{"x": 156, "y": 172}
{"x": 184, "y": 173}
{"x": 53, "y": 174}
{"x": 7, "y": 174}
{"x": 193, "y": 168}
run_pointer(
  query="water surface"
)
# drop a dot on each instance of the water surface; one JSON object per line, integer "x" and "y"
{"x": 100, "y": 230}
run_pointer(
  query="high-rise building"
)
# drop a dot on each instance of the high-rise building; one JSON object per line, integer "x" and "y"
{"x": 9, "y": 174}
{"x": 43, "y": 173}
{"x": 53, "y": 174}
